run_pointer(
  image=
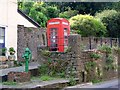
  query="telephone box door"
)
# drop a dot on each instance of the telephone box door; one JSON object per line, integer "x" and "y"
{"x": 53, "y": 39}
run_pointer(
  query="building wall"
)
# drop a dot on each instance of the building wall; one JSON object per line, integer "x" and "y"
{"x": 10, "y": 18}
{"x": 23, "y": 21}
{"x": 8, "y": 12}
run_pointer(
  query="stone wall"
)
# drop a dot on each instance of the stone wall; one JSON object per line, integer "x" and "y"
{"x": 32, "y": 38}
{"x": 19, "y": 77}
{"x": 94, "y": 42}
{"x": 77, "y": 59}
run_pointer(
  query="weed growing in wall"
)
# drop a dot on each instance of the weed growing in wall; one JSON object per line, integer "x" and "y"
{"x": 53, "y": 68}
{"x": 95, "y": 55}
{"x": 105, "y": 48}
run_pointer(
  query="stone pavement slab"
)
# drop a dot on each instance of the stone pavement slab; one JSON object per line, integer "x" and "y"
{"x": 38, "y": 84}
{"x": 33, "y": 65}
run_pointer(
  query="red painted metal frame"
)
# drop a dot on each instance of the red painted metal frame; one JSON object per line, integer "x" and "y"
{"x": 60, "y": 24}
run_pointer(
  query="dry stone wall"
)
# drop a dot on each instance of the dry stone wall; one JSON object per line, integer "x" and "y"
{"x": 78, "y": 60}
{"x": 19, "y": 77}
{"x": 32, "y": 38}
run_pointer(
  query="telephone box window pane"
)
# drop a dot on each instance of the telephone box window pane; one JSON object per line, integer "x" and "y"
{"x": 53, "y": 39}
{"x": 65, "y": 32}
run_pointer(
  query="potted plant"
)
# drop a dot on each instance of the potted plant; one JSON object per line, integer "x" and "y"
{"x": 4, "y": 51}
{"x": 12, "y": 51}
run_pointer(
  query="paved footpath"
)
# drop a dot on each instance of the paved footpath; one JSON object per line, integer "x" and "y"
{"x": 32, "y": 65}
{"x": 106, "y": 84}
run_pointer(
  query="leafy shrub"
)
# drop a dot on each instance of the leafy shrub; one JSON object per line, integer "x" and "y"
{"x": 68, "y": 14}
{"x": 52, "y": 12}
{"x": 87, "y": 25}
{"x": 72, "y": 81}
{"x": 111, "y": 20}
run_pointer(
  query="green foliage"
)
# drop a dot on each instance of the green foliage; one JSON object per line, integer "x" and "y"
{"x": 17, "y": 63}
{"x": 68, "y": 49}
{"x": 105, "y": 13}
{"x": 105, "y": 48}
{"x": 109, "y": 62}
{"x": 43, "y": 69}
{"x": 111, "y": 19}
{"x": 87, "y": 25}
{"x": 52, "y": 12}
{"x": 9, "y": 83}
{"x": 68, "y": 14}
{"x": 3, "y": 51}
{"x": 11, "y": 49}
{"x": 46, "y": 53}
{"x": 109, "y": 59}
{"x": 95, "y": 55}
{"x": 96, "y": 81}
{"x": 53, "y": 68}
{"x": 66, "y": 9}
{"x": 89, "y": 65}
{"x": 46, "y": 78}
{"x": 25, "y": 6}
{"x": 40, "y": 17}
{"x": 72, "y": 81}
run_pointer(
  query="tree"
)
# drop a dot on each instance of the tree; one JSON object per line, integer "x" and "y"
{"x": 68, "y": 14}
{"x": 38, "y": 16}
{"x": 52, "y": 12}
{"x": 25, "y": 6}
{"x": 111, "y": 19}
{"x": 87, "y": 25}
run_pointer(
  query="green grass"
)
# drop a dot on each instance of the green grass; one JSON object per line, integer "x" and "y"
{"x": 96, "y": 81}
{"x": 9, "y": 83}
{"x": 46, "y": 78}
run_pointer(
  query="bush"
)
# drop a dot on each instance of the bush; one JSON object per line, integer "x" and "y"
{"x": 87, "y": 25}
{"x": 111, "y": 20}
{"x": 52, "y": 12}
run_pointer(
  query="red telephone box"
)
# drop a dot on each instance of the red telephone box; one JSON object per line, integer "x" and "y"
{"x": 58, "y": 30}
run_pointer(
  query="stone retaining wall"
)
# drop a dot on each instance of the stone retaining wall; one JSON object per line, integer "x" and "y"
{"x": 19, "y": 77}
{"x": 76, "y": 60}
